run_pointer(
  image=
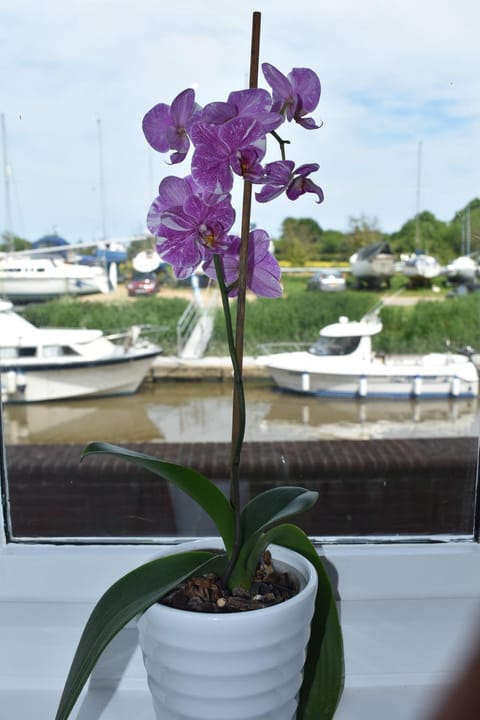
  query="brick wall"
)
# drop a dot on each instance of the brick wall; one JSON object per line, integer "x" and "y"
{"x": 365, "y": 487}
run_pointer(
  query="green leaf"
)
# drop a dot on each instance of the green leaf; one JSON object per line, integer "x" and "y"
{"x": 122, "y": 602}
{"x": 263, "y": 512}
{"x": 275, "y": 505}
{"x": 197, "y": 486}
{"x": 323, "y": 673}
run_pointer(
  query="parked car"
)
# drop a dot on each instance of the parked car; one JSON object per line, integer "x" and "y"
{"x": 327, "y": 280}
{"x": 143, "y": 284}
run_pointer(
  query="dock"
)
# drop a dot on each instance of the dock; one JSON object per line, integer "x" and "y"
{"x": 205, "y": 368}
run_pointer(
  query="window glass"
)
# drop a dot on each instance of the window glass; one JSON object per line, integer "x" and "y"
{"x": 399, "y": 231}
{"x": 335, "y": 346}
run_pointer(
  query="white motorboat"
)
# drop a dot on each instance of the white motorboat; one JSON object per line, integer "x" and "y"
{"x": 420, "y": 268}
{"x": 342, "y": 364}
{"x": 26, "y": 278}
{"x": 373, "y": 265}
{"x": 39, "y": 364}
{"x": 463, "y": 269}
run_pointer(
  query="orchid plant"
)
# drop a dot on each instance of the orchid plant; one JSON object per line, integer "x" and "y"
{"x": 192, "y": 219}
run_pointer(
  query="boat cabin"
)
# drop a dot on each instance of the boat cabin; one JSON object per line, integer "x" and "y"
{"x": 346, "y": 337}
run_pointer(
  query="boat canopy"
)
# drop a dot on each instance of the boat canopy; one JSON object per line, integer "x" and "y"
{"x": 352, "y": 328}
{"x": 371, "y": 251}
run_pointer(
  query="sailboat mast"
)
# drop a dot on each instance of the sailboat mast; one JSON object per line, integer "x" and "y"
{"x": 419, "y": 185}
{"x": 468, "y": 231}
{"x": 6, "y": 175}
{"x": 101, "y": 180}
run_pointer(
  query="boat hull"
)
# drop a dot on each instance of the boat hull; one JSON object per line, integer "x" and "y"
{"x": 342, "y": 363}
{"x": 39, "y": 383}
{"x": 421, "y": 267}
{"x": 379, "y": 380}
{"x": 373, "y": 264}
{"x": 382, "y": 266}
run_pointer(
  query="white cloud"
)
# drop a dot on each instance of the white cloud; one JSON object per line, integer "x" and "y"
{"x": 393, "y": 73}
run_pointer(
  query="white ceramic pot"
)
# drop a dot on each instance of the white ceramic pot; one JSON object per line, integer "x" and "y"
{"x": 235, "y": 666}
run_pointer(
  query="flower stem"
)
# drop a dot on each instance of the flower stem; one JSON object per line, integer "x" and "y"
{"x": 239, "y": 415}
{"x": 237, "y": 371}
{"x": 281, "y": 142}
{"x": 238, "y": 411}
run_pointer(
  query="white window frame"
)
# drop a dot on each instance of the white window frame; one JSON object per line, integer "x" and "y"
{"x": 407, "y": 613}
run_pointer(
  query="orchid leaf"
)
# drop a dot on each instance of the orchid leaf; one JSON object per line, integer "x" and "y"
{"x": 261, "y": 513}
{"x": 122, "y": 602}
{"x": 275, "y": 505}
{"x": 202, "y": 490}
{"x": 323, "y": 672}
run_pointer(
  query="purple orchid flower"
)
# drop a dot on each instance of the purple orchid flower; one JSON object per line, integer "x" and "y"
{"x": 276, "y": 177}
{"x": 301, "y": 184}
{"x": 281, "y": 176}
{"x": 189, "y": 229}
{"x": 238, "y": 146}
{"x": 263, "y": 271}
{"x": 166, "y": 127}
{"x": 294, "y": 95}
{"x": 253, "y": 103}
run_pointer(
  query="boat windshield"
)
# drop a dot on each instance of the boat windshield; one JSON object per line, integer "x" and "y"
{"x": 335, "y": 345}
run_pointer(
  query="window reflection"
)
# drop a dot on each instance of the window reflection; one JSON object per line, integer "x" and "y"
{"x": 381, "y": 468}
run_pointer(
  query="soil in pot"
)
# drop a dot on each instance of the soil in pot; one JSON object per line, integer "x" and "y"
{"x": 206, "y": 593}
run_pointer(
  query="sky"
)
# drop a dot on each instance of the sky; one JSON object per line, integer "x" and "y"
{"x": 400, "y": 105}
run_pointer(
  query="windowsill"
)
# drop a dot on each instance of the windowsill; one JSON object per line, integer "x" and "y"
{"x": 407, "y": 612}
{"x": 394, "y": 703}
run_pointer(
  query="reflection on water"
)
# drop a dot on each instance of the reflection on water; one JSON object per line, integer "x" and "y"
{"x": 201, "y": 411}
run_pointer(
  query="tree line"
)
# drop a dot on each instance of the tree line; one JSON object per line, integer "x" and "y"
{"x": 303, "y": 240}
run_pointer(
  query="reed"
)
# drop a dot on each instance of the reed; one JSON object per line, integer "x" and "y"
{"x": 296, "y": 317}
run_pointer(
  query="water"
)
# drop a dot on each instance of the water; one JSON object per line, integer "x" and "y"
{"x": 171, "y": 411}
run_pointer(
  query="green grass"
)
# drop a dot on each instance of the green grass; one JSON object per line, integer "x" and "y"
{"x": 297, "y": 316}
{"x": 111, "y": 317}
{"x": 426, "y": 326}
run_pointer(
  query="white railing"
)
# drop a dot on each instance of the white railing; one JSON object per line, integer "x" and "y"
{"x": 195, "y": 326}
{"x": 186, "y": 325}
